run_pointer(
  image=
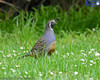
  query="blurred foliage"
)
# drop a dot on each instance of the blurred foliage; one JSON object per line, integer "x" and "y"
{"x": 29, "y": 4}
{"x": 72, "y": 20}
{"x": 12, "y": 7}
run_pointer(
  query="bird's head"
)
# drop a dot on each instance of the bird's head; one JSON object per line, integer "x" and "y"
{"x": 51, "y": 24}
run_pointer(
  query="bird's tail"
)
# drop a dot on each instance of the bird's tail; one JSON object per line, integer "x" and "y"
{"x": 28, "y": 54}
{"x": 24, "y": 56}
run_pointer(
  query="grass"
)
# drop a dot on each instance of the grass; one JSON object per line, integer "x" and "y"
{"x": 77, "y": 55}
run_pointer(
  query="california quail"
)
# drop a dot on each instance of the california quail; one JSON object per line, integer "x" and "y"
{"x": 47, "y": 43}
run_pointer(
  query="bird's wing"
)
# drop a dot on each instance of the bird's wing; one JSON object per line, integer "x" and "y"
{"x": 39, "y": 46}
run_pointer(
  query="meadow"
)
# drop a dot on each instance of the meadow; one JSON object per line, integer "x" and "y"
{"x": 77, "y": 55}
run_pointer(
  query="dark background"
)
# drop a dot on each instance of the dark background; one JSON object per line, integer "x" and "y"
{"x": 74, "y": 15}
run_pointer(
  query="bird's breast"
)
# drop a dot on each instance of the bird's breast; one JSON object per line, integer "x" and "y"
{"x": 53, "y": 45}
{"x": 50, "y": 37}
{"x": 52, "y": 48}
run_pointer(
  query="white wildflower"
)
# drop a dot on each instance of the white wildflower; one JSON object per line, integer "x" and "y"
{"x": 86, "y": 60}
{"x": 84, "y": 54}
{"x": 3, "y": 68}
{"x": 94, "y": 62}
{"x": 35, "y": 71}
{"x": 60, "y": 72}
{"x": 75, "y": 65}
{"x": 1, "y": 51}
{"x": 67, "y": 54}
{"x": 19, "y": 72}
{"x": 24, "y": 51}
{"x": 51, "y": 72}
{"x": 5, "y": 73}
{"x": 64, "y": 56}
{"x": 91, "y": 64}
{"x": 82, "y": 50}
{"x": 89, "y": 52}
{"x": 26, "y": 72}
{"x": 93, "y": 29}
{"x": 82, "y": 60}
{"x": 14, "y": 54}
{"x": 83, "y": 63}
{"x": 91, "y": 61}
{"x": 9, "y": 55}
{"x": 56, "y": 52}
{"x": 98, "y": 58}
{"x": 13, "y": 70}
{"x": 4, "y": 56}
{"x": 90, "y": 78}
{"x": 14, "y": 51}
{"x": 25, "y": 76}
{"x": 0, "y": 63}
{"x": 40, "y": 74}
{"x": 21, "y": 47}
{"x": 17, "y": 66}
{"x": 85, "y": 75}
{"x": 75, "y": 73}
{"x": 72, "y": 53}
{"x": 97, "y": 54}
{"x": 92, "y": 49}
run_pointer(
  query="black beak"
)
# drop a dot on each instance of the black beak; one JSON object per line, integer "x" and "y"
{"x": 52, "y": 24}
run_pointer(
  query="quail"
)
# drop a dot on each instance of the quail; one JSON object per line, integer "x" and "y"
{"x": 46, "y": 44}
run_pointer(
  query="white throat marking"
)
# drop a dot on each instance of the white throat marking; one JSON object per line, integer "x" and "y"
{"x": 50, "y": 26}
